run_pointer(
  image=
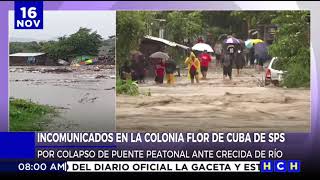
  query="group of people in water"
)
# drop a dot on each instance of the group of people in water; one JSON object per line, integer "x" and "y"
{"x": 227, "y": 59}
{"x": 226, "y": 55}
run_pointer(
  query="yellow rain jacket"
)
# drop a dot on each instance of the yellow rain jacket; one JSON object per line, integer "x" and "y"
{"x": 192, "y": 59}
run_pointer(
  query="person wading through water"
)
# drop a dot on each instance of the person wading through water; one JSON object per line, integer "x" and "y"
{"x": 193, "y": 67}
{"x": 227, "y": 61}
{"x": 159, "y": 72}
{"x": 125, "y": 71}
{"x": 205, "y": 59}
{"x": 218, "y": 48}
{"x": 170, "y": 66}
{"x": 239, "y": 57}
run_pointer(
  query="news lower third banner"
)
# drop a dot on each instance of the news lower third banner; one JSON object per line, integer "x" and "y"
{"x": 152, "y": 152}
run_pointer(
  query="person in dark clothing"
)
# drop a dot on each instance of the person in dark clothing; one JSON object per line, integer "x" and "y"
{"x": 227, "y": 61}
{"x": 218, "y": 48}
{"x": 200, "y": 40}
{"x": 239, "y": 57}
{"x": 170, "y": 66}
{"x": 251, "y": 57}
{"x": 125, "y": 71}
{"x": 138, "y": 67}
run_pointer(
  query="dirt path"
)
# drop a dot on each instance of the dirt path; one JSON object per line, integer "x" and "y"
{"x": 215, "y": 105}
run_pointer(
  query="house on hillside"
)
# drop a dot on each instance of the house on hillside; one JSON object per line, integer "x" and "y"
{"x": 24, "y": 59}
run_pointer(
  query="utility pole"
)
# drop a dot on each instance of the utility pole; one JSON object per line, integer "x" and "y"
{"x": 161, "y": 27}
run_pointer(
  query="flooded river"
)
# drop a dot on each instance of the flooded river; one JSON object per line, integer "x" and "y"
{"x": 85, "y": 98}
{"x": 242, "y": 104}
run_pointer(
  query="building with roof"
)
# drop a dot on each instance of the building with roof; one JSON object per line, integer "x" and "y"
{"x": 23, "y": 59}
{"x": 150, "y": 44}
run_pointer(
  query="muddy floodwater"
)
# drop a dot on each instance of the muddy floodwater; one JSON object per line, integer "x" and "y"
{"x": 84, "y": 96}
{"x": 242, "y": 104}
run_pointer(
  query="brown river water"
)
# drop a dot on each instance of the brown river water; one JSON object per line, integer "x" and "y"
{"x": 242, "y": 104}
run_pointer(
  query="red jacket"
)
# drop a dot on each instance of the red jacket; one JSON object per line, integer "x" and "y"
{"x": 160, "y": 69}
{"x": 205, "y": 59}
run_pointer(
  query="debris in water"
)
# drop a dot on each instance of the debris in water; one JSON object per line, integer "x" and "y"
{"x": 100, "y": 76}
{"x": 110, "y": 88}
{"x": 87, "y": 99}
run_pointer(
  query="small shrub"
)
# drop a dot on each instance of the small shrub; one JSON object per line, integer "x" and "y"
{"x": 127, "y": 87}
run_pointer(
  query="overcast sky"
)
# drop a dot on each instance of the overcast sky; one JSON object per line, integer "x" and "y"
{"x": 59, "y": 23}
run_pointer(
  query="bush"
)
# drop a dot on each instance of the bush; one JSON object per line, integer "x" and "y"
{"x": 127, "y": 87}
{"x": 26, "y": 115}
{"x": 292, "y": 46}
{"x": 298, "y": 75}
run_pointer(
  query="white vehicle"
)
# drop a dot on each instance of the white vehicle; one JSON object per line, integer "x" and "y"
{"x": 273, "y": 75}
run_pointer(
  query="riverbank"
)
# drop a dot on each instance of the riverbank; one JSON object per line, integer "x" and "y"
{"x": 29, "y": 116}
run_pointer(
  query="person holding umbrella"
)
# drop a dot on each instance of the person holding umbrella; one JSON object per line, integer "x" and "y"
{"x": 193, "y": 64}
{"x": 205, "y": 59}
{"x": 159, "y": 58}
{"x": 159, "y": 71}
{"x": 261, "y": 54}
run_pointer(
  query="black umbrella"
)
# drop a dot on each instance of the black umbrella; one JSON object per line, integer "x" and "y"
{"x": 160, "y": 55}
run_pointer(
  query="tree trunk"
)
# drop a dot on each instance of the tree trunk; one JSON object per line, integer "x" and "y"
{"x": 248, "y": 26}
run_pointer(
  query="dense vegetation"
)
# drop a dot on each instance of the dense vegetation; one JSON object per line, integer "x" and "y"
{"x": 28, "y": 116}
{"x": 83, "y": 42}
{"x": 127, "y": 87}
{"x": 292, "y": 46}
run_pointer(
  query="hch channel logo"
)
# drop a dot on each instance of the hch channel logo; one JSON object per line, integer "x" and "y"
{"x": 280, "y": 166}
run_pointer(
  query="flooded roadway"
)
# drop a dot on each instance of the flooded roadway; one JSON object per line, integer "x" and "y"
{"x": 84, "y": 97}
{"x": 215, "y": 105}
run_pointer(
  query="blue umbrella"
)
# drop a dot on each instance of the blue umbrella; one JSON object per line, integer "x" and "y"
{"x": 249, "y": 43}
{"x": 261, "y": 51}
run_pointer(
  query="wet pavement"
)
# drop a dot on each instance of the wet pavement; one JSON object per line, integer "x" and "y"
{"x": 84, "y": 96}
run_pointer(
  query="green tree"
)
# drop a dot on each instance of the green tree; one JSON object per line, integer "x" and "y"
{"x": 16, "y": 47}
{"x": 254, "y": 18}
{"x": 131, "y": 27}
{"x": 181, "y": 25}
{"x": 292, "y": 47}
{"x": 83, "y": 42}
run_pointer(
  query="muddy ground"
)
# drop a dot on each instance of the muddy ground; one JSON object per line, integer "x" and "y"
{"x": 84, "y": 96}
{"x": 215, "y": 105}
